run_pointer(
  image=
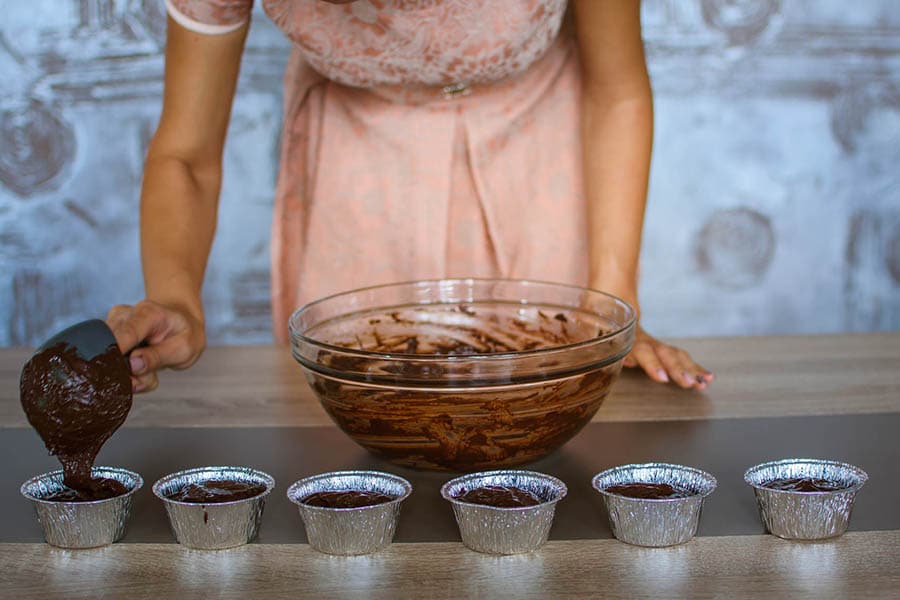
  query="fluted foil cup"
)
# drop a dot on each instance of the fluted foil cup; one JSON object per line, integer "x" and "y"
{"x": 350, "y": 531}
{"x": 654, "y": 522}
{"x": 806, "y": 515}
{"x": 497, "y": 530}
{"x": 82, "y": 524}
{"x": 214, "y": 526}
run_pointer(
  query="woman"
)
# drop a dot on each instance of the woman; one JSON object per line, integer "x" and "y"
{"x": 422, "y": 139}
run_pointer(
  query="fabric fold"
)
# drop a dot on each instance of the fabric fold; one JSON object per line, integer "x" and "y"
{"x": 364, "y": 199}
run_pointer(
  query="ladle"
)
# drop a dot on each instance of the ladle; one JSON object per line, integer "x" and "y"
{"x": 76, "y": 391}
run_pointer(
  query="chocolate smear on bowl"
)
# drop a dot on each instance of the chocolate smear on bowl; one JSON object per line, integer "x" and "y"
{"x": 217, "y": 491}
{"x": 75, "y": 405}
{"x": 804, "y": 484}
{"x": 649, "y": 491}
{"x": 346, "y": 499}
{"x": 500, "y": 496}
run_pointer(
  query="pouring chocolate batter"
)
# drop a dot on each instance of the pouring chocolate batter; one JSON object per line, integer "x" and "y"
{"x": 75, "y": 402}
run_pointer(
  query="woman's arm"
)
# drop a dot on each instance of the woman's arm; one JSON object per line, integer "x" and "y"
{"x": 179, "y": 201}
{"x": 617, "y": 137}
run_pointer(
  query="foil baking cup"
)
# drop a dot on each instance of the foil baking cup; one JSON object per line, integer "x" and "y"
{"x": 654, "y": 522}
{"x": 497, "y": 530}
{"x": 219, "y": 525}
{"x": 350, "y": 531}
{"x": 82, "y": 524}
{"x": 806, "y": 515}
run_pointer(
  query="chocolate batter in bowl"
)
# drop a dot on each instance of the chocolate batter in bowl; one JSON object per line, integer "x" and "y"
{"x": 463, "y": 374}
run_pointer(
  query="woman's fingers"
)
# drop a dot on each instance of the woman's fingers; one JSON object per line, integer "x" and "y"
{"x": 681, "y": 367}
{"x": 118, "y": 315}
{"x": 175, "y": 352}
{"x": 682, "y": 370}
{"x": 701, "y": 376}
{"x": 664, "y": 363}
{"x": 671, "y": 359}
{"x": 145, "y": 383}
{"x": 645, "y": 357}
{"x": 132, "y": 325}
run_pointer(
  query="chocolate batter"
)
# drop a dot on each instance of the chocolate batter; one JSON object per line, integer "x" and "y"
{"x": 804, "y": 484}
{"x": 75, "y": 405}
{"x": 346, "y": 499}
{"x": 216, "y": 491}
{"x": 649, "y": 491}
{"x": 500, "y": 496}
{"x": 506, "y": 424}
{"x": 99, "y": 488}
{"x": 454, "y": 331}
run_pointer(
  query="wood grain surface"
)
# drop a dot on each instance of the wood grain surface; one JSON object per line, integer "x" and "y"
{"x": 262, "y": 386}
{"x": 756, "y": 377}
{"x": 857, "y": 565}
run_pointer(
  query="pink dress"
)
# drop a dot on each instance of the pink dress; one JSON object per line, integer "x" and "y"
{"x": 422, "y": 139}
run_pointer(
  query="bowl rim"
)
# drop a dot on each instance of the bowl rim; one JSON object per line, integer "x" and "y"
{"x": 709, "y": 477}
{"x": 267, "y": 479}
{"x": 292, "y": 489}
{"x": 561, "y": 486}
{"x": 861, "y": 475}
{"x": 138, "y": 484}
{"x": 295, "y": 336}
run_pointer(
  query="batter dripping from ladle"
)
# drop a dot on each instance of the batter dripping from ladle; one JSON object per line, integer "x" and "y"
{"x": 75, "y": 404}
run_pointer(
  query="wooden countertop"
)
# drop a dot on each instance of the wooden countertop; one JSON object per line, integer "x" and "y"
{"x": 263, "y": 387}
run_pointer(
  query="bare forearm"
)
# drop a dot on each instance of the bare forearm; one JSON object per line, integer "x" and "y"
{"x": 183, "y": 172}
{"x": 617, "y": 134}
{"x": 178, "y": 220}
{"x": 617, "y": 139}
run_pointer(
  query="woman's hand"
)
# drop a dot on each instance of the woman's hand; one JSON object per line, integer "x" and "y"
{"x": 664, "y": 363}
{"x": 173, "y": 337}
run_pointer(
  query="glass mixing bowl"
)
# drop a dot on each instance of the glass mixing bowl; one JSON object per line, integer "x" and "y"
{"x": 463, "y": 374}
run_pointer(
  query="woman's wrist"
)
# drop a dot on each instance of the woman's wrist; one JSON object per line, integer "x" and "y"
{"x": 624, "y": 288}
{"x": 177, "y": 292}
{"x": 190, "y": 307}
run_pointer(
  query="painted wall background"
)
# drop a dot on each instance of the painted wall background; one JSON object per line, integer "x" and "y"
{"x": 775, "y": 192}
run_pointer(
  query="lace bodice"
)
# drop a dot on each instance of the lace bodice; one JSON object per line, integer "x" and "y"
{"x": 399, "y": 42}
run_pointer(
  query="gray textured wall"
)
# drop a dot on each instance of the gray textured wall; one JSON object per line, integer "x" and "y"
{"x": 775, "y": 193}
